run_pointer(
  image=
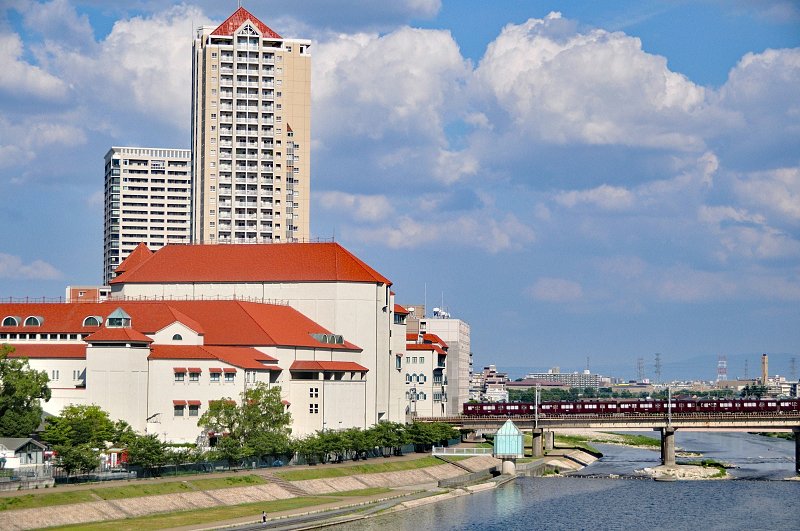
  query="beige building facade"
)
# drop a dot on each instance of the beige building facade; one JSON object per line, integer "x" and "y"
{"x": 251, "y": 133}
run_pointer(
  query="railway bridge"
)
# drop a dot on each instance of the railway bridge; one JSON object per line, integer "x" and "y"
{"x": 541, "y": 427}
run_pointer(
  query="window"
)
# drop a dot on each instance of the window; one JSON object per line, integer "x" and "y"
{"x": 180, "y": 376}
{"x": 177, "y": 337}
{"x": 92, "y": 320}
{"x": 54, "y": 374}
{"x": 11, "y": 321}
{"x": 194, "y": 376}
{"x": 178, "y": 410}
{"x": 408, "y": 377}
{"x": 398, "y": 362}
{"x": 313, "y": 408}
{"x": 33, "y": 321}
{"x": 230, "y": 377}
{"x": 76, "y": 374}
{"x": 313, "y": 392}
{"x": 408, "y": 359}
{"x": 215, "y": 377}
{"x": 194, "y": 410}
{"x": 414, "y": 359}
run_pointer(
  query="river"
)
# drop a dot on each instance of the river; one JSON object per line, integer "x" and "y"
{"x": 583, "y": 503}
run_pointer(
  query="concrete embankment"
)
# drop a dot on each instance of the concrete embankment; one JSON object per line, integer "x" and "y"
{"x": 103, "y": 510}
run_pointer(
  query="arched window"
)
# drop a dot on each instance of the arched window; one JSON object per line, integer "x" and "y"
{"x": 11, "y": 321}
{"x": 408, "y": 377}
{"x": 33, "y": 321}
{"x": 92, "y": 320}
{"x": 177, "y": 337}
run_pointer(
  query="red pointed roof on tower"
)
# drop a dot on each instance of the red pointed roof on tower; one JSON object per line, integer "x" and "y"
{"x": 239, "y": 17}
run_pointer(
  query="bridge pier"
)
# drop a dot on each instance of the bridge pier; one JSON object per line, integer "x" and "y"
{"x": 549, "y": 440}
{"x": 537, "y": 449}
{"x": 667, "y": 446}
{"x": 796, "y": 450}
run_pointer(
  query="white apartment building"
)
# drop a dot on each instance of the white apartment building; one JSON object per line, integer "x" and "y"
{"x": 251, "y": 133}
{"x": 147, "y": 200}
{"x": 456, "y": 334}
{"x": 323, "y": 281}
{"x": 425, "y": 374}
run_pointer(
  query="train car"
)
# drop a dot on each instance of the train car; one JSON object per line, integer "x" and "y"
{"x": 622, "y": 407}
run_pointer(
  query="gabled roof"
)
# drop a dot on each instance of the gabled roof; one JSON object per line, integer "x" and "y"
{"x": 118, "y": 335}
{"x": 271, "y": 262}
{"x": 137, "y": 256}
{"x": 15, "y": 443}
{"x": 400, "y": 310}
{"x": 433, "y": 338}
{"x": 237, "y": 19}
{"x": 332, "y": 366}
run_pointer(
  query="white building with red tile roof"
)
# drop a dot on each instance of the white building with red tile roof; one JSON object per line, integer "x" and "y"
{"x": 323, "y": 281}
{"x": 158, "y": 364}
{"x": 425, "y": 375}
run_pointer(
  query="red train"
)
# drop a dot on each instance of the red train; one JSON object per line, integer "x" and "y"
{"x": 616, "y": 407}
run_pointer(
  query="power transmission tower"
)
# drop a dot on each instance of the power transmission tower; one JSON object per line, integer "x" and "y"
{"x": 640, "y": 369}
{"x": 722, "y": 368}
{"x": 658, "y": 367}
{"x": 745, "y": 370}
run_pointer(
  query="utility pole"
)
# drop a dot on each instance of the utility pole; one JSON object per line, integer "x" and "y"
{"x": 536, "y": 410}
{"x": 669, "y": 406}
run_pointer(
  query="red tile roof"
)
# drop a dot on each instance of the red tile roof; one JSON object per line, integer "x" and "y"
{"x": 118, "y": 335}
{"x": 411, "y": 337}
{"x": 242, "y": 357}
{"x": 239, "y": 17}
{"x": 272, "y": 262}
{"x": 73, "y": 351}
{"x": 140, "y": 254}
{"x": 433, "y": 338}
{"x": 399, "y": 309}
{"x": 426, "y": 346}
{"x": 223, "y": 323}
{"x": 334, "y": 366}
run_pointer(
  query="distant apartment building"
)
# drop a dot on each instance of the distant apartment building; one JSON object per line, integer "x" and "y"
{"x": 147, "y": 200}
{"x": 489, "y": 385}
{"x": 554, "y": 377}
{"x": 456, "y": 333}
{"x": 251, "y": 133}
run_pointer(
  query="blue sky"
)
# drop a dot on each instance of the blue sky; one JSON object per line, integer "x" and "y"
{"x": 576, "y": 178}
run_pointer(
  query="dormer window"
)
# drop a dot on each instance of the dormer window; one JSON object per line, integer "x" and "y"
{"x": 34, "y": 320}
{"x": 92, "y": 320}
{"x": 118, "y": 319}
{"x": 11, "y": 321}
{"x": 177, "y": 337}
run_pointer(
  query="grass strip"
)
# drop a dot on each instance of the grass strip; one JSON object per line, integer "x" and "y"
{"x": 370, "y": 491}
{"x": 228, "y": 482}
{"x": 320, "y": 472}
{"x": 202, "y": 516}
{"x": 142, "y": 489}
{"x": 638, "y": 440}
{"x": 31, "y": 501}
{"x": 575, "y": 441}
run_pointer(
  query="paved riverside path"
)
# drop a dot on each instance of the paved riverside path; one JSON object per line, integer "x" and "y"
{"x": 104, "y": 510}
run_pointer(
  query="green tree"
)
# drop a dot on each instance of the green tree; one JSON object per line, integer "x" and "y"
{"x": 21, "y": 389}
{"x": 258, "y": 426}
{"x": 146, "y": 451}
{"x": 78, "y": 435}
{"x": 391, "y": 436}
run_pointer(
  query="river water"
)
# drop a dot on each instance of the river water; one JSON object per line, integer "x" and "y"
{"x": 584, "y": 503}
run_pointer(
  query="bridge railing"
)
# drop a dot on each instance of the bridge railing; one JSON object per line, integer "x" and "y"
{"x": 442, "y": 450}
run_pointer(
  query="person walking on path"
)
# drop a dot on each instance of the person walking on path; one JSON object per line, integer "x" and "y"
{"x": 264, "y": 517}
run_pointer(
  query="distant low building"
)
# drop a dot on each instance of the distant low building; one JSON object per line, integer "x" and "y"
{"x": 489, "y": 385}
{"x": 570, "y": 379}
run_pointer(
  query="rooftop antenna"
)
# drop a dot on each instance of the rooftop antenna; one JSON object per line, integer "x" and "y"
{"x": 425, "y": 299}
{"x": 587, "y": 363}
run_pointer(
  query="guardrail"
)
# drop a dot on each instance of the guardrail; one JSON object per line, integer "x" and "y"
{"x": 442, "y": 450}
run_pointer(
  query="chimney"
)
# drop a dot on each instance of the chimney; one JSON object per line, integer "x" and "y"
{"x": 764, "y": 369}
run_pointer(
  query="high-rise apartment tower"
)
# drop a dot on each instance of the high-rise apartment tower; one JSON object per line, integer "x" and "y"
{"x": 147, "y": 200}
{"x": 251, "y": 133}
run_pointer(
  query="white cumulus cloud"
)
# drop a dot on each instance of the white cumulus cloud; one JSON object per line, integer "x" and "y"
{"x": 13, "y": 267}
